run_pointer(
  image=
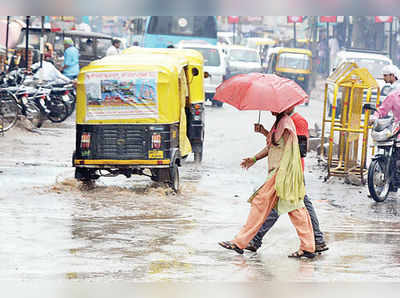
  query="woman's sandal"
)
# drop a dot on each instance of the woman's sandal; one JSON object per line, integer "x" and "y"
{"x": 231, "y": 245}
{"x": 301, "y": 254}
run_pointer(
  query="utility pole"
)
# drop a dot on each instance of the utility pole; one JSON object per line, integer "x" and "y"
{"x": 42, "y": 43}
{"x": 390, "y": 40}
{"x": 294, "y": 35}
{"x": 327, "y": 47}
{"x": 7, "y": 33}
{"x": 27, "y": 41}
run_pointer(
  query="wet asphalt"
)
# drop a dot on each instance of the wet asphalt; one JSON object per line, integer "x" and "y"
{"x": 51, "y": 228}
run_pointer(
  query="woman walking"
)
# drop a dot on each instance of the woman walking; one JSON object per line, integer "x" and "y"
{"x": 284, "y": 189}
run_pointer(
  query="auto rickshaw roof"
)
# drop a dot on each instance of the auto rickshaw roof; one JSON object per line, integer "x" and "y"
{"x": 295, "y": 50}
{"x": 162, "y": 63}
{"x": 348, "y": 73}
{"x": 193, "y": 56}
{"x": 78, "y": 33}
{"x": 261, "y": 40}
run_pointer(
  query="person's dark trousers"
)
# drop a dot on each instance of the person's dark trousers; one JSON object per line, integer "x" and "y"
{"x": 273, "y": 217}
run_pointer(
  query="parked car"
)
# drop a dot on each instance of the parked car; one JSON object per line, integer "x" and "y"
{"x": 242, "y": 60}
{"x": 214, "y": 65}
{"x": 262, "y": 45}
{"x": 371, "y": 60}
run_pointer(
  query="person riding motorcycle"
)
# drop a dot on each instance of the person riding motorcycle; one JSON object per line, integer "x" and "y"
{"x": 390, "y": 104}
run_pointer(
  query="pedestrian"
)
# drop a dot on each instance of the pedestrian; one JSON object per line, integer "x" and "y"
{"x": 323, "y": 55}
{"x": 48, "y": 52}
{"x": 390, "y": 76}
{"x": 283, "y": 190}
{"x": 114, "y": 48}
{"x": 333, "y": 50}
{"x": 390, "y": 104}
{"x": 71, "y": 59}
{"x": 302, "y": 134}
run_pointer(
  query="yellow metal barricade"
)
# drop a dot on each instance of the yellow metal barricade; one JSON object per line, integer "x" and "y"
{"x": 349, "y": 87}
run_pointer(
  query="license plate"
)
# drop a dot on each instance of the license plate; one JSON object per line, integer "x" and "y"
{"x": 156, "y": 154}
{"x": 65, "y": 98}
{"x": 300, "y": 78}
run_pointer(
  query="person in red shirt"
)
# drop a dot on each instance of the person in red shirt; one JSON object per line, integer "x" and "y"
{"x": 302, "y": 133}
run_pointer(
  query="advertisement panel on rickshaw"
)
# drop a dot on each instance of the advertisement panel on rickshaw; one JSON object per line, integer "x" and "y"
{"x": 121, "y": 95}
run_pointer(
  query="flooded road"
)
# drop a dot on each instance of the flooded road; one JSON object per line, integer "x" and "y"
{"x": 137, "y": 230}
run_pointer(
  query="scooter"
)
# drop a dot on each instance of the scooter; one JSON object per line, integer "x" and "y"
{"x": 384, "y": 170}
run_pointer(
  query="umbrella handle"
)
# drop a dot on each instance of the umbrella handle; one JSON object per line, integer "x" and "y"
{"x": 259, "y": 116}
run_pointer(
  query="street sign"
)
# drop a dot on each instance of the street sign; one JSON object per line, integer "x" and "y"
{"x": 295, "y": 19}
{"x": 383, "y": 19}
{"x": 328, "y": 19}
{"x": 233, "y": 19}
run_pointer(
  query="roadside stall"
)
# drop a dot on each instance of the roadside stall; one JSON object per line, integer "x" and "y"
{"x": 350, "y": 87}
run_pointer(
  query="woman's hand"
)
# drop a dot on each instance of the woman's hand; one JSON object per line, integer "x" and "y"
{"x": 247, "y": 163}
{"x": 260, "y": 129}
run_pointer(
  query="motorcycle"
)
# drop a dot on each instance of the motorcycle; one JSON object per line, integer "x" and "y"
{"x": 384, "y": 170}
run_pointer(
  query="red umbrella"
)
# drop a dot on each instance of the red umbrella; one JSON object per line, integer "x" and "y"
{"x": 258, "y": 91}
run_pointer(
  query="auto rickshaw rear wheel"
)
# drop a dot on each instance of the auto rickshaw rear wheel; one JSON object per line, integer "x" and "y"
{"x": 174, "y": 178}
{"x": 155, "y": 175}
{"x": 198, "y": 156}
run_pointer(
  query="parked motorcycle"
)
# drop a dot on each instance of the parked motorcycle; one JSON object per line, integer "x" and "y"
{"x": 20, "y": 93}
{"x": 384, "y": 170}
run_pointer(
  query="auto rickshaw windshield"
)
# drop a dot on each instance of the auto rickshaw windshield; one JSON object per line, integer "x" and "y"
{"x": 244, "y": 55}
{"x": 294, "y": 60}
{"x": 211, "y": 56}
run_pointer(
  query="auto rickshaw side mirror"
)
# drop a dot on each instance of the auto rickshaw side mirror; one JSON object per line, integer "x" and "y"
{"x": 206, "y": 75}
{"x": 195, "y": 71}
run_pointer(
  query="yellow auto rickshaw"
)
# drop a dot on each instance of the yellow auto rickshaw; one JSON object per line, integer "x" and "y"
{"x": 195, "y": 100}
{"x": 291, "y": 63}
{"x": 131, "y": 116}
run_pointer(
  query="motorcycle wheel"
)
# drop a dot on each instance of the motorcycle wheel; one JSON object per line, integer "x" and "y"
{"x": 8, "y": 113}
{"x": 58, "y": 110}
{"x": 378, "y": 186}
